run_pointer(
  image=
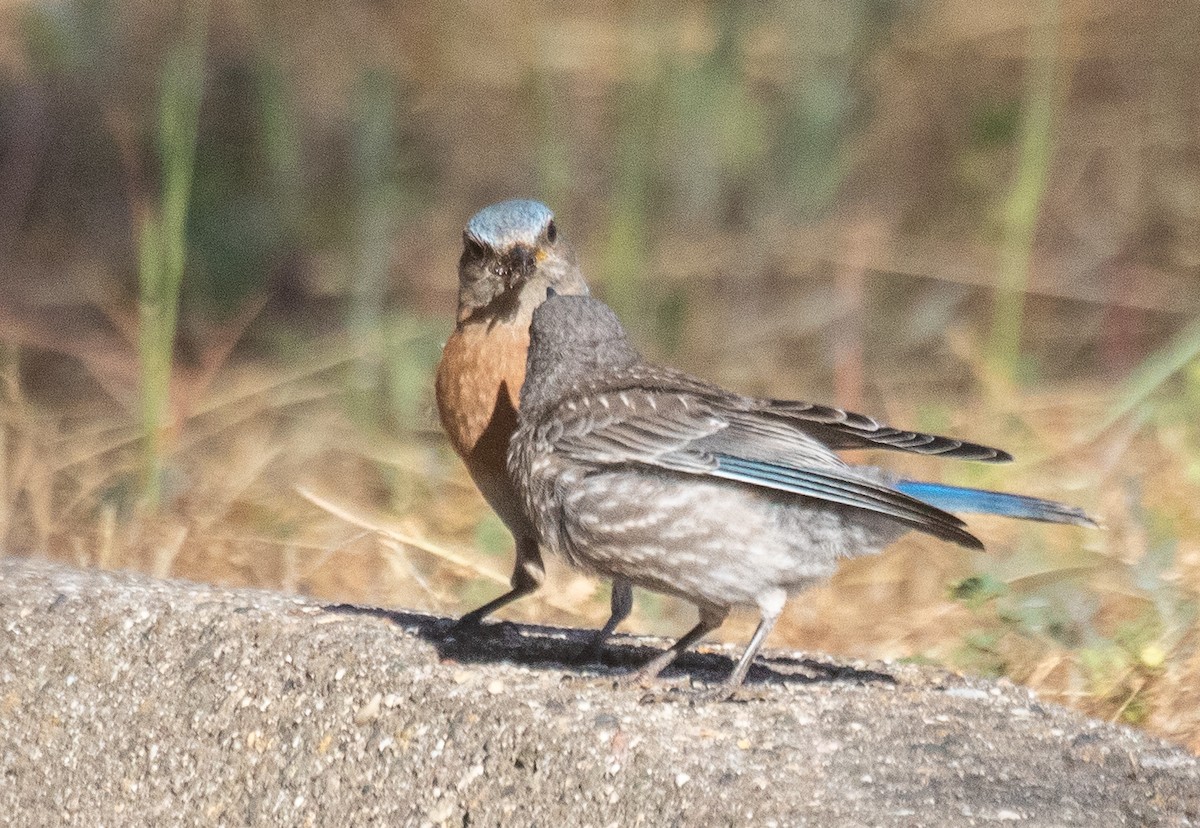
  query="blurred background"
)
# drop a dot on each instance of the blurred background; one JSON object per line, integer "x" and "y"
{"x": 229, "y": 234}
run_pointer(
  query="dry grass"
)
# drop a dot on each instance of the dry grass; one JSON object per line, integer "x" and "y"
{"x": 270, "y": 484}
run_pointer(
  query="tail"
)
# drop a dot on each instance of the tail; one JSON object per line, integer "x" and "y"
{"x": 980, "y": 501}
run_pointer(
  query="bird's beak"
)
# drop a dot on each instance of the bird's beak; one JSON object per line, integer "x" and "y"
{"x": 521, "y": 264}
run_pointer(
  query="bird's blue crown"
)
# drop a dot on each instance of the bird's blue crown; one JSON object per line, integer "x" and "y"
{"x": 502, "y": 225}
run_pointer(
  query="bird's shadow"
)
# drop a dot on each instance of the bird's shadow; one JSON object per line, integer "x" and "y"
{"x": 536, "y": 646}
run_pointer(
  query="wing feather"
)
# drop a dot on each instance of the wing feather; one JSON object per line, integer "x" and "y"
{"x": 835, "y": 428}
{"x": 841, "y": 429}
{"x": 687, "y": 433}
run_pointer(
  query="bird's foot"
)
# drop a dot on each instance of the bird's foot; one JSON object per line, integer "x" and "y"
{"x": 592, "y": 652}
{"x": 463, "y": 627}
{"x": 724, "y": 692}
{"x": 638, "y": 678}
{"x": 588, "y": 655}
{"x": 472, "y": 626}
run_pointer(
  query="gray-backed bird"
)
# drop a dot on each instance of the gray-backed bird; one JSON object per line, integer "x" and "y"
{"x": 648, "y": 475}
{"x": 512, "y": 254}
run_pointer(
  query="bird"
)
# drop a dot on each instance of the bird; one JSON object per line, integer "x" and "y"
{"x": 649, "y": 475}
{"x": 512, "y": 254}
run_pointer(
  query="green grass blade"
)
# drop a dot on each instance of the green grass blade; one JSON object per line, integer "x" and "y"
{"x": 162, "y": 241}
{"x": 1024, "y": 203}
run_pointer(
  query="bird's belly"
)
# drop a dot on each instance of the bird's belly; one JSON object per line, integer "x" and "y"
{"x": 708, "y": 541}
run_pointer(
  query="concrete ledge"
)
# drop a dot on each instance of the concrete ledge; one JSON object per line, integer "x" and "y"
{"x": 130, "y": 701}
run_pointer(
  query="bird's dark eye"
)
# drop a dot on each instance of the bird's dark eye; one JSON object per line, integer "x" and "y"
{"x": 551, "y": 232}
{"x": 472, "y": 248}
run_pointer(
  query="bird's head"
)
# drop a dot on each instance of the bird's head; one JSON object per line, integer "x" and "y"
{"x": 512, "y": 254}
{"x": 572, "y": 338}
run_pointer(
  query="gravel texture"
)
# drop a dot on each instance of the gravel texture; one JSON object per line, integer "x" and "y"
{"x": 131, "y": 701}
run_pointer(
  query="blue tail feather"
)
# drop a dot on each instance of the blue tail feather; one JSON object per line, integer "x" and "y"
{"x": 980, "y": 501}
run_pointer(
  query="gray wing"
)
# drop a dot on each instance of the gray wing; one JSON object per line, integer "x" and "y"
{"x": 841, "y": 429}
{"x": 836, "y": 428}
{"x": 687, "y": 433}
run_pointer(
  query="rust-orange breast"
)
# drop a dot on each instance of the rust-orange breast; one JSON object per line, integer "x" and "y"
{"x": 478, "y": 389}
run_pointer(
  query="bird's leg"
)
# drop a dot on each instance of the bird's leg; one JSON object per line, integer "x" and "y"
{"x": 710, "y": 619}
{"x": 622, "y": 603}
{"x": 770, "y": 606}
{"x": 528, "y": 574}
